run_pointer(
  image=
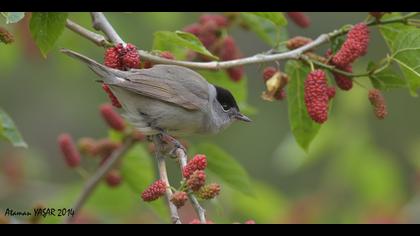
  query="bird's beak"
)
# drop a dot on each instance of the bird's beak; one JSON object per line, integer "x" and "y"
{"x": 241, "y": 117}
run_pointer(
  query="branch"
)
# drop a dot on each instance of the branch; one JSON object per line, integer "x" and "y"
{"x": 164, "y": 177}
{"x": 93, "y": 37}
{"x": 92, "y": 183}
{"x": 201, "y": 212}
{"x": 101, "y": 23}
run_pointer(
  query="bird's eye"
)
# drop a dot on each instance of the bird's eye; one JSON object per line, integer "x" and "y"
{"x": 225, "y": 107}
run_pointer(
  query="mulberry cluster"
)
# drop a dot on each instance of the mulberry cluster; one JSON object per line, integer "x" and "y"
{"x": 299, "y": 18}
{"x": 355, "y": 46}
{"x": 154, "y": 191}
{"x": 208, "y": 30}
{"x": 196, "y": 180}
{"x": 316, "y": 96}
{"x": 122, "y": 58}
{"x": 378, "y": 102}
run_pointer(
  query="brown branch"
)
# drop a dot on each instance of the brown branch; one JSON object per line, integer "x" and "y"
{"x": 201, "y": 212}
{"x": 164, "y": 177}
{"x": 93, "y": 182}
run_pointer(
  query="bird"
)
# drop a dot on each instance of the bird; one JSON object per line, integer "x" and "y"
{"x": 168, "y": 99}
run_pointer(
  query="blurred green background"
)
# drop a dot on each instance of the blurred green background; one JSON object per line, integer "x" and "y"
{"x": 358, "y": 169}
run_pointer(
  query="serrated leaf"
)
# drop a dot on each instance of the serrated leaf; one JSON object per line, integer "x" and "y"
{"x": 9, "y": 130}
{"x": 264, "y": 28}
{"x": 167, "y": 40}
{"x": 276, "y": 17}
{"x": 138, "y": 172}
{"x": 13, "y": 17}
{"x": 46, "y": 28}
{"x": 238, "y": 89}
{"x": 304, "y": 129}
{"x": 406, "y": 52}
{"x": 386, "y": 79}
{"x": 226, "y": 168}
{"x": 390, "y": 31}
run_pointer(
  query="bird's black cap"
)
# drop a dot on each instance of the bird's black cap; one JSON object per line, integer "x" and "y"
{"x": 226, "y": 98}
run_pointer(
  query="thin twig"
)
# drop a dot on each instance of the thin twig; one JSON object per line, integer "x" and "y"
{"x": 201, "y": 212}
{"x": 101, "y": 23}
{"x": 92, "y": 183}
{"x": 93, "y": 37}
{"x": 164, "y": 177}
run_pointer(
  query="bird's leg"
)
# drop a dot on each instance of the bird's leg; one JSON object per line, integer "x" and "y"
{"x": 171, "y": 140}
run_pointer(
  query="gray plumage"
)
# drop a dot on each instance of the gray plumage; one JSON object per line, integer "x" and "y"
{"x": 165, "y": 98}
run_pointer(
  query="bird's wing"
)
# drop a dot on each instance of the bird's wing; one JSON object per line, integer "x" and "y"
{"x": 174, "y": 84}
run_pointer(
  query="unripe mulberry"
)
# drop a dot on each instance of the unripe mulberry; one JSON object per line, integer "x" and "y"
{"x": 130, "y": 57}
{"x": 316, "y": 97}
{"x": 342, "y": 81}
{"x": 377, "y": 15}
{"x": 297, "y": 42}
{"x": 71, "y": 154}
{"x": 5, "y": 36}
{"x": 299, "y": 18}
{"x": 112, "y": 58}
{"x": 112, "y": 118}
{"x": 199, "y": 162}
{"x": 87, "y": 146}
{"x": 167, "y": 55}
{"x": 268, "y": 72}
{"x": 111, "y": 96}
{"x": 104, "y": 147}
{"x": 209, "y": 191}
{"x": 113, "y": 178}
{"x": 179, "y": 199}
{"x": 196, "y": 180}
{"x": 355, "y": 46}
{"x": 378, "y": 102}
{"x": 154, "y": 191}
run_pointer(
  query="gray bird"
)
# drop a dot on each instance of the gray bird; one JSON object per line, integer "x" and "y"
{"x": 168, "y": 99}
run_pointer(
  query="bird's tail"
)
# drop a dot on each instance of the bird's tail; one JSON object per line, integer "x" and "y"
{"x": 108, "y": 74}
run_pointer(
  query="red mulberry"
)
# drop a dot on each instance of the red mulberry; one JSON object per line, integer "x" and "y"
{"x": 343, "y": 82}
{"x": 112, "y": 118}
{"x": 112, "y": 58}
{"x": 111, "y": 96}
{"x": 316, "y": 97}
{"x": 355, "y": 46}
{"x": 196, "y": 180}
{"x": 299, "y": 18}
{"x": 71, "y": 154}
{"x": 199, "y": 162}
{"x": 130, "y": 57}
{"x": 331, "y": 92}
{"x": 154, "y": 191}
{"x": 378, "y": 102}
{"x": 179, "y": 199}
{"x": 113, "y": 178}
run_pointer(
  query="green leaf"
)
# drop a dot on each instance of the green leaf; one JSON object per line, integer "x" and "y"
{"x": 264, "y": 28}
{"x": 276, "y": 17}
{"x": 13, "y": 17}
{"x": 386, "y": 79}
{"x": 304, "y": 129}
{"x": 406, "y": 52}
{"x": 238, "y": 89}
{"x": 167, "y": 40}
{"x": 138, "y": 172}
{"x": 9, "y": 130}
{"x": 226, "y": 168}
{"x": 336, "y": 43}
{"x": 391, "y": 31}
{"x": 46, "y": 28}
